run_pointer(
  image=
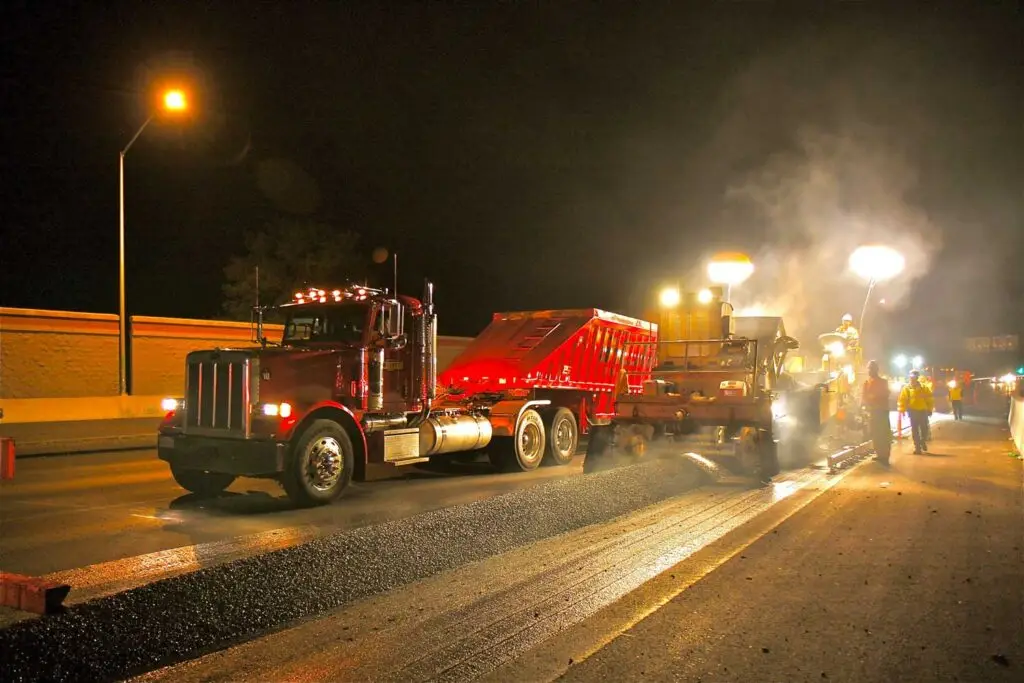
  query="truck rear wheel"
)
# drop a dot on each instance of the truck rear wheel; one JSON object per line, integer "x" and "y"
{"x": 523, "y": 451}
{"x": 203, "y": 484}
{"x": 320, "y": 466}
{"x": 562, "y": 436}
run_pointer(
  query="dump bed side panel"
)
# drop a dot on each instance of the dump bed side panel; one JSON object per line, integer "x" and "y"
{"x": 579, "y": 349}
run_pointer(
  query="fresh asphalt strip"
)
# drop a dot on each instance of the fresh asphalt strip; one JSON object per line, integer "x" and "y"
{"x": 183, "y": 617}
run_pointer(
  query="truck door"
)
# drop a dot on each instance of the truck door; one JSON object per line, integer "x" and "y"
{"x": 395, "y": 324}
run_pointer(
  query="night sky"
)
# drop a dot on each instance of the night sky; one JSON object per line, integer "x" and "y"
{"x": 578, "y": 155}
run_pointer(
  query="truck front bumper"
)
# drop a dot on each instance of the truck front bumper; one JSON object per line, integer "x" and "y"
{"x": 240, "y": 457}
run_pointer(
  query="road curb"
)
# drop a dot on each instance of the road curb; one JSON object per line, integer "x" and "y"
{"x": 90, "y": 444}
{"x": 32, "y": 594}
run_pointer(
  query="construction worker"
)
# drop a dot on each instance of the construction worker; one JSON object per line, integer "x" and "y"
{"x": 847, "y": 329}
{"x": 916, "y": 400}
{"x": 875, "y": 399}
{"x": 956, "y": 399}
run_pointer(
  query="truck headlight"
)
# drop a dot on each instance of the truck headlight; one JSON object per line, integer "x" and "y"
{"x": 172, "y": 404}
{"x": 277, "y": 409}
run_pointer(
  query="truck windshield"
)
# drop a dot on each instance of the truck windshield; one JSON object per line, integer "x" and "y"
{"x": 342, "y": 323}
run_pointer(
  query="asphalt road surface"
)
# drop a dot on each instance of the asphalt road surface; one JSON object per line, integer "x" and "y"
{"x": 909, "y": 573}
{"x": 66, "y": 512}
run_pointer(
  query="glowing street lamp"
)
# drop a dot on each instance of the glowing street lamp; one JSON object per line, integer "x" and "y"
{"x": 669, "y": 297}
{"x": 174, "y": 101}
{"x": 917, "y": 362}
{"x": 875, "y": 263}
{"x": 730, "y": 269}
{"x": 900, "y": 361}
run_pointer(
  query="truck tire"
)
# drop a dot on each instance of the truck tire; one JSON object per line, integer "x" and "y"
{"x": 202, "y": 484}
{"x": 524, "y": 451}
{"x": 562, "y": 437}
{"x": 320, "y": 464}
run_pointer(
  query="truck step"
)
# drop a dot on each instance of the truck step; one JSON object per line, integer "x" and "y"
{"x": 408, "y": 461}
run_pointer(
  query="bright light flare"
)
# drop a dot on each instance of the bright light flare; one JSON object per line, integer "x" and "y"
{"x": 277, "y": 409}
{"x": 836, "y": 349}
{"x": 705, "y": 296}
{"x": 917, "y": 362}
{"x": 175, "y": 100}
{"x": 900, "y": 361}
{"x": 1008, "y": 378}
{"x": 877, "y": 263}
{"x": 169, "y": 404}
{"x": 951, "y": 384}
{"x": 779, "y": 409}
{"x": 730, "y": 269}
{"x": 669, "y": 297}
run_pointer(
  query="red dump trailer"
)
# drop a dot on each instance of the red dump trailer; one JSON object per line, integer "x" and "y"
{"x": 562, "y": 369}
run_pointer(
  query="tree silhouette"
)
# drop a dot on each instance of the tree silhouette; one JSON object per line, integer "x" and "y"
{"x": 290, "y": 254}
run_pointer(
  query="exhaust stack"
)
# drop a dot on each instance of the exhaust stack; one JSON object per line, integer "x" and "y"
{"x": 426, "y": 339}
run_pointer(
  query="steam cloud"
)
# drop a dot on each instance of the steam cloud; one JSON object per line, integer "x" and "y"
{"x": 817, "y": 205}
{"x": 835, "y": 145}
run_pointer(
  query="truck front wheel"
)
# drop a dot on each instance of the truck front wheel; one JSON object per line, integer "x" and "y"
{"x": 203, "y": 484}
{"x": 320, "y": 466}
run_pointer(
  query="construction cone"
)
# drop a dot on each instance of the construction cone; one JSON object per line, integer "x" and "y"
{"x": 6, "y": 457}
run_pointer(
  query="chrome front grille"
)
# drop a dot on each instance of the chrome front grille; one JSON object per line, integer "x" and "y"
{"x": 219, "y": 392}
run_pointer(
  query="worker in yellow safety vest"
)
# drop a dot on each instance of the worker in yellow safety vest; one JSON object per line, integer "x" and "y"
{"x": 916, "y": 400}
{"x": 956, "y": 399}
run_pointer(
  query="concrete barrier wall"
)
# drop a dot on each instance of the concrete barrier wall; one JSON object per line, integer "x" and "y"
{"x": 57, "y": 354}
{"x": 1017, "y": 422}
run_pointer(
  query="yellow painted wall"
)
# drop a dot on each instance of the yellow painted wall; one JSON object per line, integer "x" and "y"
{"x": 57, "y": 354}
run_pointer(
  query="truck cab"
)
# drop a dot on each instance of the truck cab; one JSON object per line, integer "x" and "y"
{"x": 350, "y": 361}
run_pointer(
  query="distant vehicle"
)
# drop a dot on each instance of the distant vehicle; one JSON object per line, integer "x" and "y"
{"x": 353, "y": 381}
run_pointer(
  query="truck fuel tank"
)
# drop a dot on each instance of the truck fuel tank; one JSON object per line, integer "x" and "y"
{"x": 447, "y": 434}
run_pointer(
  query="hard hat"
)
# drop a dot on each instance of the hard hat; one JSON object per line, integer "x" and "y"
{"x": 915, "y": 373}
{"x": 872, "y": 365}
{"x": 847, "y": 318}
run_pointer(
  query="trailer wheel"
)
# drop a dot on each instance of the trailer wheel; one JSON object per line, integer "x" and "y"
{"x": 202, "y": 484}
{"x": 320, "y": 466}
{"x": 524, "y": 451}
{"x": 562, "y": 437}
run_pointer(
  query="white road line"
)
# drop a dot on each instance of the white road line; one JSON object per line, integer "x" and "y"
{"x": 107, "y": 578}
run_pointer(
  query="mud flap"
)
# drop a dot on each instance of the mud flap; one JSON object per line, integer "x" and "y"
{"x": 768, "y": 456}
{"x": 599, "y": 446}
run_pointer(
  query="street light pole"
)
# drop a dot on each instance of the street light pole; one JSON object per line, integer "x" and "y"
{"x": 864, "y": 308}
{"x": 122, "y": 336}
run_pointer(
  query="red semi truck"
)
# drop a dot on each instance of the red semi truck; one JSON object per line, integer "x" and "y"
{"x": 353, "y": 381}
